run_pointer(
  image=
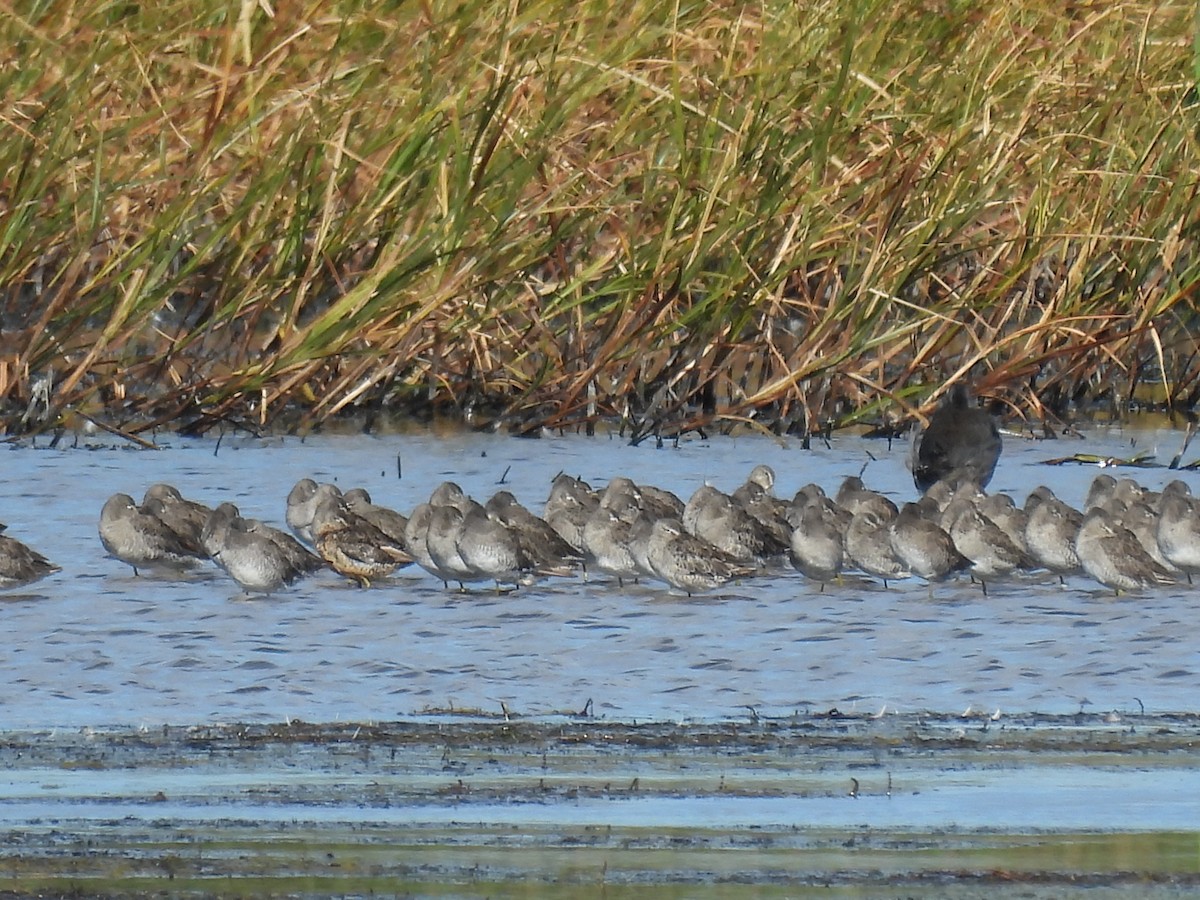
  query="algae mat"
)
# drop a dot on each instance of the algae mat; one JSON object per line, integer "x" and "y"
{"x": 453, "y": 806}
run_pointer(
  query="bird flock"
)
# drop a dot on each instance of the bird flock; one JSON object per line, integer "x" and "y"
{"x": 1125, "y": 537}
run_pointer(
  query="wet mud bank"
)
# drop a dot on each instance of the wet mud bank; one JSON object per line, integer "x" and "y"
{"x": 451, "y": 806}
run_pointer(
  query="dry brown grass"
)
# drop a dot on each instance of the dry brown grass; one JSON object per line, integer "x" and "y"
{"x": 546, "y": 214}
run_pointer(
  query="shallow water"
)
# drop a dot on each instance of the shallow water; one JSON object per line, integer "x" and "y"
{"x": 94, "y": 645}
{"x": 1115, "y": 800}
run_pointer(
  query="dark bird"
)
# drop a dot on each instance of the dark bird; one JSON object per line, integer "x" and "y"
{"x": 961, "y": 443}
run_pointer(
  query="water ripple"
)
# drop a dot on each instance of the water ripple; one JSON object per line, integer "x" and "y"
{"x": 91, "y": 645}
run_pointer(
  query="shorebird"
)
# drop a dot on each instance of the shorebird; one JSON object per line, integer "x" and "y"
{"x": 869, "y": 545}
{"x": 568, "y": 507}
{"x": 1099, "y": 491}
{"x": 141, "y": 539}
{"x": 700, "y": 499}
{"x": 714, "y": 516}
{"x": 302, "y": 503}
{"x": 1010, "y": 518}
{"x": 187, "y": 537}
{"x": 297, "y": 555}
{"x": 659, "y": 502}
{"x": 1178, "y": 487}
{"x": 854, "y": 496}
{"x": 246, "y": 550}
{"x": 804, "y": 497}
{"x": 21, "y": 565}
{"x": 544, "y": 546}
{"x": 416, "y": 540}
{"x": 606, "y": 539}
{"x": 1179, "y": 528}
{"x": 441, "y": 542}
{"x": 1127, "y": 490}
{"x": 960, "y": 444}
{"x": 1111, "y": 555}
{"x": 390, "y": 522}
{"x": 638, "y": 542}
{"x": 185, "y": 517}
{"x": 685, "y": 562}
{"x": 448, "y": 493}
{"x": 762, "y": 475}
{"x": 352, "y": 545}
{"x": 656, "y": 501}
{"x": 1143, "y": 522}
{"x": 991, "y": 552}
{"x": 1051, "y": 528}
{"x": 770, "y": 512}
{"x": 491, "y": 551}
{"x": 818, "y": 542}
{"x": 923, "y": 546}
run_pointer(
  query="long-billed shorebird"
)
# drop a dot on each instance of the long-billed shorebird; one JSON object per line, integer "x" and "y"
{"x": 141, "y": 539}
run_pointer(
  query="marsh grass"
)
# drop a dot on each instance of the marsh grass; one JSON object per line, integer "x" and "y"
{"x": 541, "y": 214}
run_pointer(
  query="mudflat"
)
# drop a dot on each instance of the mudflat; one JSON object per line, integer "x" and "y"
{"x": 470, "y": 805}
